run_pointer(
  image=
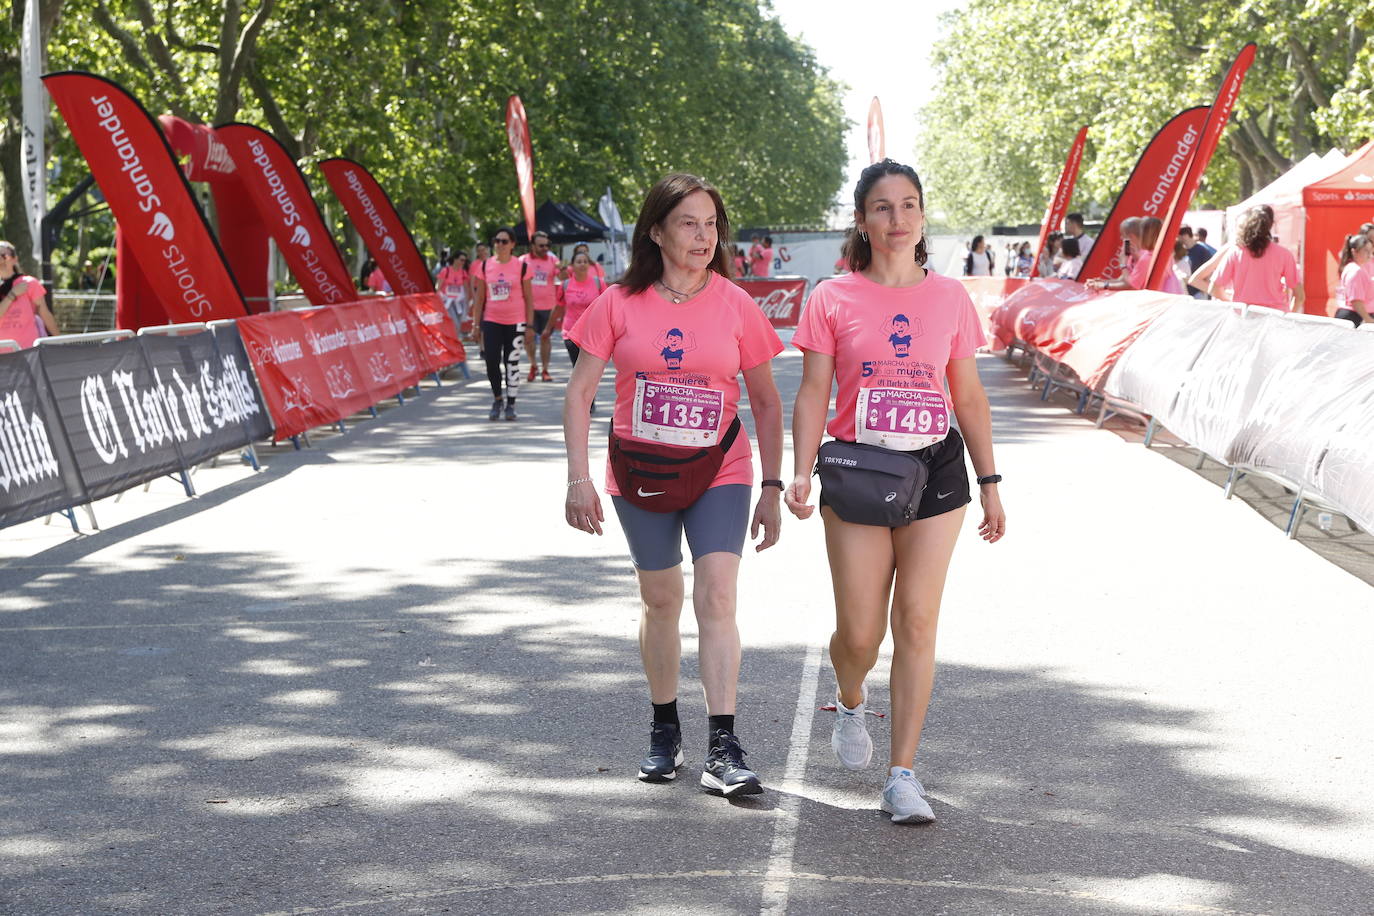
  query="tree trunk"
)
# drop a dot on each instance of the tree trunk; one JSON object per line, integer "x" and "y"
{"x": 15, "y": 225}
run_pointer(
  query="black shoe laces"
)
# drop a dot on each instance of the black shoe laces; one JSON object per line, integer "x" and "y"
{"x": 728, "y": 749}
{"x": 661, "y": 738}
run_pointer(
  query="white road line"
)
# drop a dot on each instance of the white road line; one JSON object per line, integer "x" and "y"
{"x": 777, "y": 880}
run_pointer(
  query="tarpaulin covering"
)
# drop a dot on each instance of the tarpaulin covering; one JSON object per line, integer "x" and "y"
{"x": 1149, "y": 373}
{"x": 988, "y": 294}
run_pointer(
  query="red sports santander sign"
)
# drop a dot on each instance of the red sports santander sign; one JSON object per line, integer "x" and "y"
{"x": 522, "y": 151}
{"x": 149, "y": 197}
{"x": 1063, "y": 193}
{"x": 288, "y": 210}
{"x": 877, "y": 144}
{"x": 1217, "y": 117}
{"x": 385, "y": 235}
{"x": 1148, "y": 191}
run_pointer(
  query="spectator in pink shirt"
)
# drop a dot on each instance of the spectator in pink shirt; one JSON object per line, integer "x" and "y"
{"x": 1357, "y": 289}
{"x": 24, "y": 309}
{"x": 1255, "y": 271}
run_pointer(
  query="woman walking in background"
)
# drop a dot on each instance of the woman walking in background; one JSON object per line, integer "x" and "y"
{"x": 1357, "y": 289}
{"x": 503, "y": 315}
{"x": 579, "y": 291}
{"x": 678, "y": 459}
{"x": 1256, "y": 270}
{"x": 896, "y": 391}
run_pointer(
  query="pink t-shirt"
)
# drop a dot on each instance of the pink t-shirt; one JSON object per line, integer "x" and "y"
{"x": 376, "y": 281}
{"x": 505, "y": 302}
{"x": 677, "y": 366}
{"x": 1356, "y": 284}
{"x": 761, "y": 260}
{"x": 1140, "y": 274}
{"x": 543, "y": 277}
{"x": 1258, "y": 281}
{"x": 891, "y": 347}
{"x": 452, "y": 280}
{"x": 577, "y": 296}
{"x": 20, "y": 322}
{"x": 1369, "y": 268}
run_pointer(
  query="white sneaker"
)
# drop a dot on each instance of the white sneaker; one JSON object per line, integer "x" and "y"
{"x": 850, "y": 741}
{"x": 902, "y": 799}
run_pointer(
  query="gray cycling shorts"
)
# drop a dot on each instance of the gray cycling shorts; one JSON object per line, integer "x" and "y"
{"x": 715, "y": 522}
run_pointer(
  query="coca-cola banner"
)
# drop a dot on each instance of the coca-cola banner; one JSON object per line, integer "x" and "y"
{"x": 384, "y": 233}
{"x": 37, "y": 471}
{"x": 290, "y": 375}
{"x": 149, "y": 197}
{"x": 1148, "y": 191}
{"x": 283, "y": 198}
{"x": 434, "y": 332}
{"x": 209, "y": 399}
{"x": 780, "y": 298}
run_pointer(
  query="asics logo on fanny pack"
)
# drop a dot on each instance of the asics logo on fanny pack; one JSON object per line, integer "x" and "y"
{"x": 656, "y": 493}
{"x": 889, "y": 497}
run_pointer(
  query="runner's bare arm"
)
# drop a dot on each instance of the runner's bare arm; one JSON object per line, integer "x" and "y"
{"x": 971, "y": 406}
{"x": 808, "y": 425}
{"x": 582, "y": 509}
{"x": 766, "y": 405}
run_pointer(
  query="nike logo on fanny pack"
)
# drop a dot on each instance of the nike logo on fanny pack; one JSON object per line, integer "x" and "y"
{"x": 658, "y": 493}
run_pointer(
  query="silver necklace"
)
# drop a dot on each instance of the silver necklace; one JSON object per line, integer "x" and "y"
{"x": 678, "y": 295}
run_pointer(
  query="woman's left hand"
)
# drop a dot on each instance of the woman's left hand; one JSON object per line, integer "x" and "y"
{"x": 767, "y": 513}
{"x": 994, "y": 523}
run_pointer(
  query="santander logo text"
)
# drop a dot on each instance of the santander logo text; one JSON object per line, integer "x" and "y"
{"x": 301, "y": 237}
{"x": 387, "y": 245}
{"x": 162, "y": 227}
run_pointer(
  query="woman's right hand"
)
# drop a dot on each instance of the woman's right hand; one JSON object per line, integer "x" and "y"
{"x": 582, "y": 510}
{"x": 796, "y": 496}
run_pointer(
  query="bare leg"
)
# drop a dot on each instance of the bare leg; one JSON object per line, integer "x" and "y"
{"x": 545, "y": 350}
{"x": 715, "y": 576}
{"x": 861, "y": 563}
{"x": 923, "y": 549}
{"x": 660, "y": 643}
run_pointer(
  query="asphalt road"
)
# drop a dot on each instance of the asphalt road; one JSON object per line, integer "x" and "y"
{"x": 382, "y": 676}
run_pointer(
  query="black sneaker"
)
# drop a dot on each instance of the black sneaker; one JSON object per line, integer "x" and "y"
{"x": 725, "y": 773}
{"x": 495, "y": 411}
{"x": 510, "y": 412}
{"x": 665, "y": 753}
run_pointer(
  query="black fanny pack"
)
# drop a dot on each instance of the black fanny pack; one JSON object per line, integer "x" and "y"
{"x": 871, "y": 485}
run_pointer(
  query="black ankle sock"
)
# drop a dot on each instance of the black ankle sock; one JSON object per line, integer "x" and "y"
{"x": 666, "y": 713}
{"x": 719, "y": 722}
{"x": 510, "y": 402}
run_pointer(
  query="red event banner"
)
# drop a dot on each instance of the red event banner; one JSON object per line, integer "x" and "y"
{"x": 1063, "y": 193}
{"x": 432, "y": 328}
{"x": 283, "y": 199}
{"x": 877, "y": 143}
{"x": 332, "y": 348}
{"x": 522, "y": 151}
{"x": 385, "y": 371}
{"x": 780, "y": 298}
{"x": 289, "y": 375}
{"x": 381, "y": 227}
{"x": 1148, "y": 191}
{"x": 1217, "y": 118}
{"x": 137, "y": 172}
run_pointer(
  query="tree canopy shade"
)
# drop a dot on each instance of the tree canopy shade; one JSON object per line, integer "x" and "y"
{"x": 618, "y": 92}
{"x": 1014, "y": 79}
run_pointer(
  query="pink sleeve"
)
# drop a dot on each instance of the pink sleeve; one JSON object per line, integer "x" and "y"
{"x": 1140, "y": 273}
{"x": 758, "y": 342}
{"x": 595, "y": 331}
{"x": 816, "y": 330}
{"x": 968, "y": 332}
{"x": 1290, "y": 268}
{"x": 1226, "y": 271}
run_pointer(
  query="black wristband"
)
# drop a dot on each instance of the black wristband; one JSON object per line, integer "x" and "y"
{"x": 991, "y": 478}
{"x": 772, "y": 483}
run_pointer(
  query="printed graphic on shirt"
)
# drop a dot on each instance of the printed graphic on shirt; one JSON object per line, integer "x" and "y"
{"x": 676, "y": 406}
{"x": 673, "y": 345}
{"x": 900, "y": 404}
{"x": 902, "y": 329}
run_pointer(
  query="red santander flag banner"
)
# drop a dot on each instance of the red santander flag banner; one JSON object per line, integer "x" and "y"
{"x": 877, "y": 144}
{"x": 385, "y": 235}
{"x": 1152, "y": 184}
{"x": 149, "y": 197}
{"x": 780, "y": 298}
{"x": 283, "y": 198}
{"x": 1217, "y": 117}
{"x": 1063, "y": 193}
{"x": 521, "y": 150}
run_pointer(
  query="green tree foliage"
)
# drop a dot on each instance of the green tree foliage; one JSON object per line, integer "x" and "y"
{"x": 618, "y": 93}
{"x": 1015, "y": 80}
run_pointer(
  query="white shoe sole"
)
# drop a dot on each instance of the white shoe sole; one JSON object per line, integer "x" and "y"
{"x": 712, "y": 784}
{"x": 915, "y": 817}
{"x": 663, "y": 777}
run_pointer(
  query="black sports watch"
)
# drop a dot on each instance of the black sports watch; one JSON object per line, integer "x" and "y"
{"x": 772, "y": 483}
{"x": 991, "y": 478}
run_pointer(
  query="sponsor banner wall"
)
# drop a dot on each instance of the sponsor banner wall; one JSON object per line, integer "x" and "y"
{"x": 780, "y": 298}
{"x": 435, "y": 334}
{"x": 149, "y": 197}
{"x": 37, "y": 471}
{"x": 124, "y": 423}
{"x": 381, "y": 227}
{"x": 290, "y": 376}
{"x": 332, "y": 346}
{"x": 377, "y": 356}
{"x": 210, "y": 400}
{"x": 283, "y": 199}
{"x": 233, "y": 357}
{"x": 1148, "y": 192}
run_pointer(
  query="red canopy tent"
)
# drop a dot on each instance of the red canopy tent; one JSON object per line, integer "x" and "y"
{"x": 1335, "y": 207}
